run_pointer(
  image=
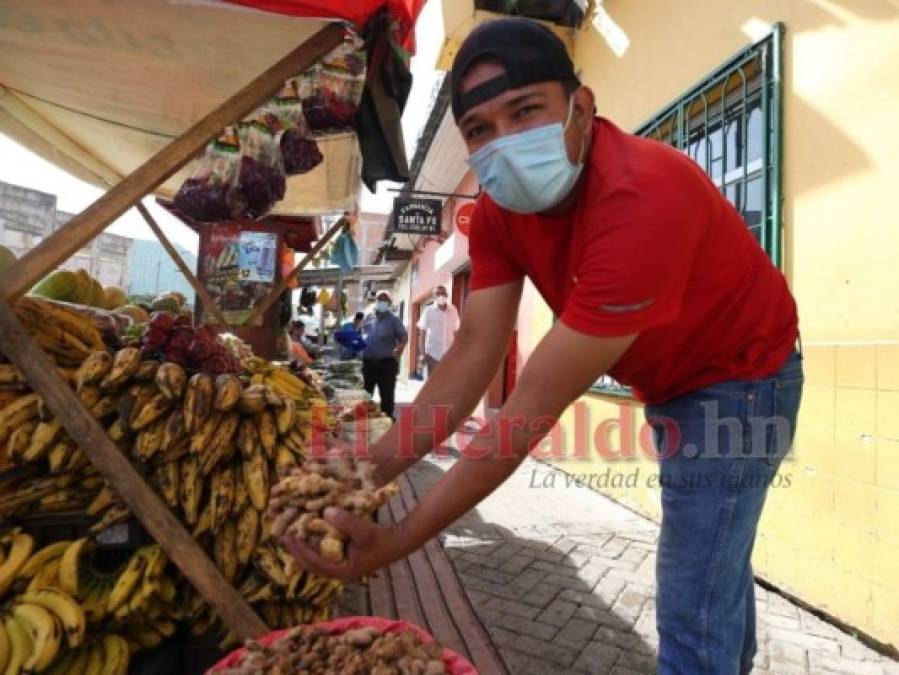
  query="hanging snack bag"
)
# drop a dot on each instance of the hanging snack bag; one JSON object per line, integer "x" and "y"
{"x": 261, "y": 174}
{"x": 299, "y": 153}
{"x": 211, "y": 194}
{"x": 333, "y": 93}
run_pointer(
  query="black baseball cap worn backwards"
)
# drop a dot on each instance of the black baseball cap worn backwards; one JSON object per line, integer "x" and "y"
{"x": 529, "y": 51}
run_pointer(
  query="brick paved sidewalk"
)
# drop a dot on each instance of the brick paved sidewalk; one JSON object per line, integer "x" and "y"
{"x": 563, "y": 578}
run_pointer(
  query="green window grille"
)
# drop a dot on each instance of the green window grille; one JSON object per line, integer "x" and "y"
{"x": 730, "y": 123}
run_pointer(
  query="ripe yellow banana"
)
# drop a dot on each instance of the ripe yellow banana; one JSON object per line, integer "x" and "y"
{"x": 17, "y": 413}
{"x": 95, "y": 656}
{"x": 146, "y": 371}
{"x": 124, "y": 365}
{"x": 20, "y": 647}
{"x": 247, "y": 535}
{"x": 241, "y": 496}
{"x": 47, "y": 576}
{"x": 19, "y": 440}
{"x": 114, "y": 516}
{"x": 253, "y": 399}
{"x": 155, "y": 408}
{"x": 225, "y": 552}
{"x": 105, "y": 407}
{"x": 204, "y": 521}
{"x": 45, "y": 634}
{"x": 171, "y": 380}
{"x": 90, "y": 395}
{"x": 284, "y": 416}
{"x": 190, "y": 488}
{"x": 228, "y": 390}
{"x": 71, "y": 566}
{"x": 198, "y": 401}
{"x": 167, "y": 478}
{"x": 284, "y": 460}
{"x": 40, "y": 558}
{"x": 116, "y": 654}
{"x": 221, "y": 445}
{"x": 202, "y": 437}
{"x": 93, "y": 369}
{"x": 126, "y": 581}
{"x": 266, "y": 561}
{"x": 255, "y": 476}
{"x": 268, "y": 431}
{"x": 60, "y": 454}
{"x": 104, "y": 499}
{"x": 149, "y": 440}
{"x": 64, "y": 608}
{"x": 222, "y": 487}
{"x": 247, "y": 436}
{"x": 20, "y": 547}
{"x": 5, "y": 648}
{"x": 174, "y": 429}
{"x": 44, "y": 437}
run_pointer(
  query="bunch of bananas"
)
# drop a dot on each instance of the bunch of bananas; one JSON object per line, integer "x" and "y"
{"x": 53, "y": 616}
{"x": 211, "y": 447}
{"x": 65, "y": 334}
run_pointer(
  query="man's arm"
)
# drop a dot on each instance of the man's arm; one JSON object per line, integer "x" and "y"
{"x": 458, "y": 384}
{"x": 562, "y": 367}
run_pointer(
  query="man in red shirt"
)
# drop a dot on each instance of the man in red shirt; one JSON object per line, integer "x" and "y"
{"x": 658, "y": 282}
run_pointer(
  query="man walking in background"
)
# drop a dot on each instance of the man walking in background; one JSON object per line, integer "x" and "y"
{"x": 385, "y": 338}
{"x": 439, "y": 323}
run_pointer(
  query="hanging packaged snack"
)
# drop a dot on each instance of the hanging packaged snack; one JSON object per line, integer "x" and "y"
{"x": 211, "y": 194}
{"x": 332, "y": 93}
{"x": 261, "y": 174}
{"x": 300, "y": 153}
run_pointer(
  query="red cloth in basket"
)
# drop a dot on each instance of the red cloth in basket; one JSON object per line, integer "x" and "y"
{"x": 455, "y": 663}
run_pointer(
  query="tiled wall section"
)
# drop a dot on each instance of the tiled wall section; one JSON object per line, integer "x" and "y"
{"x": 832, "y": 536}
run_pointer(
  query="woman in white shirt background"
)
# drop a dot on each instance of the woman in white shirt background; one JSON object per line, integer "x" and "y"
{"x": 439, "y": 322}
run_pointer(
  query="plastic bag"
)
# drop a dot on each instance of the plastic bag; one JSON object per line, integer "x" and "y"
{"x": 261, "y": 174}
{"x": 331, "y": 93}
{"x": 300, "y": 153}
{"x": 211, "y": 194}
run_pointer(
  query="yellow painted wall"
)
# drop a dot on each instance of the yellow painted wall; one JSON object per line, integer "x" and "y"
{"x": 832, "y": 537}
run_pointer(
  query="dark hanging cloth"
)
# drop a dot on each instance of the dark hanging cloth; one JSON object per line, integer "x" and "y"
{"x": 388, "y": 82}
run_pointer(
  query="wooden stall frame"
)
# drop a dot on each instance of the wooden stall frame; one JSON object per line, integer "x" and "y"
{"x": 44, "y": 378}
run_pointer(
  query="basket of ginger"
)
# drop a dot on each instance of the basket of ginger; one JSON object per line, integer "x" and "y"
{"x": 349, "y": 646}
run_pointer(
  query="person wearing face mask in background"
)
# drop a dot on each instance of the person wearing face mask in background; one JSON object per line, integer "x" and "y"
{"x": 385, "y": 338}
{"x": 657, "y": 281}
{"x": 439, "y": 323}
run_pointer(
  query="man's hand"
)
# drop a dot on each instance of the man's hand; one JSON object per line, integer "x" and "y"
{"x": 370, "y": 547}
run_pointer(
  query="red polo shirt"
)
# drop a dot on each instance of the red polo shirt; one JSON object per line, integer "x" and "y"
{"x": 650, "y": 247}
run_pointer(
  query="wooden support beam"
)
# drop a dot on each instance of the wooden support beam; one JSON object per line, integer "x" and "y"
{"x": 63, "y": 243}
{"x": 262, "y": 307}
{"x": 24, "y": 352}
{"x": 202, "y": 293}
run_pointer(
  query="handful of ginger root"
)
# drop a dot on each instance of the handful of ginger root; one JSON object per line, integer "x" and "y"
{"x": 298, "y": 501}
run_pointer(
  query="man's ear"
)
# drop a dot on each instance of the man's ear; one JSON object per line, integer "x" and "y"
{"x": 584, "y": 106}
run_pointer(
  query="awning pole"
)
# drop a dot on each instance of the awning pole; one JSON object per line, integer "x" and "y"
{"x": 207, "y": 300}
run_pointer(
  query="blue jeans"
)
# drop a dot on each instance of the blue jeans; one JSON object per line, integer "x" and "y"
{"x": 719, "y": 448}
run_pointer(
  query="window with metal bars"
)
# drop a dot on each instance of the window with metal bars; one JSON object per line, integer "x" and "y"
{"x": 730, "y": 124}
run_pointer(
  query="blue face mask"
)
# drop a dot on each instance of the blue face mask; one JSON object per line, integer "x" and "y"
{"x": 382, "y": 306}
{"x": 528, "y": 172}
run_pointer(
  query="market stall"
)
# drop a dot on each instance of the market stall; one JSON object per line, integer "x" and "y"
{"x": 173, "y": 429}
